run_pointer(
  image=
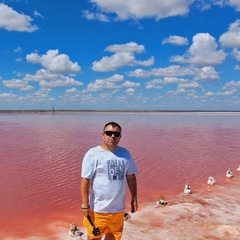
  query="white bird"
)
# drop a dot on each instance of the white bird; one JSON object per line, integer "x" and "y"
{"x": 74, "y": 232}
{"x": 238, "y": 169}
{"x": 229, "y": 173}
{"x": 187, "y": 189}
{"x": 161, "y": 201}
{"x": 211, "y": 181}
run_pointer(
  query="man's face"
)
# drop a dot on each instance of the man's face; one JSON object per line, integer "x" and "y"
{"x": 111, "y": 136}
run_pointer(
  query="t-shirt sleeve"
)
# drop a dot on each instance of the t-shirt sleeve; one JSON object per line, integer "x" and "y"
{"x": 132, "y": 168}
{"x": 88, "y": 165}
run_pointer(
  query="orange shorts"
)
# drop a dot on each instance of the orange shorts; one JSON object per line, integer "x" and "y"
{"x": 106, "y": 222}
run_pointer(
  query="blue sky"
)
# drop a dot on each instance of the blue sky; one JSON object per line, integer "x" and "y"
{"x": 120, "y": 55}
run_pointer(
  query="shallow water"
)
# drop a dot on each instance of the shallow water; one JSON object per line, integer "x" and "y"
{"x": 40, "y": 161}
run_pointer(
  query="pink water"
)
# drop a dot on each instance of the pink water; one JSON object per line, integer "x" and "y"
{"x": 40, "y": 161}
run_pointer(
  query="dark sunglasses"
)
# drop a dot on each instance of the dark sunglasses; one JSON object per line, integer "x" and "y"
{"x": 110, "y": 133}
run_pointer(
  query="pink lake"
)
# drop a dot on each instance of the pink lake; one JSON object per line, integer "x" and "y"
{"x": 40, "y": 163}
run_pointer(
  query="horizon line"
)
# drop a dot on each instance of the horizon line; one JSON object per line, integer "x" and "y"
{"x": 116, "y": 111}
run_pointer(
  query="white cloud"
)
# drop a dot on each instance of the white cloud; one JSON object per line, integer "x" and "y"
{"x": 105, "y": 83}
{"x": 209, "y": 94}
{"x": 54, "y": 62}
{"x": 207, "y": 74}
{"x": 139, "y": 73}
{"x": 235, "y": 4}
{"x": 95, "y": 16}
{"x": 171, "y": 80}
{"x": 157, "y": 83}
{"x": 49, "y": 79}
{"x": 101, "y": 85}
{"x": 113, "y": 62}
{"x": 18, "y": 74}
{"x": 37, "y": 97}
{"x": 171, "y": 71}
{"x": 192, "y": 94}
{"x": 11, "y": 20}
{"x": 17, "y": 50}
{"x": 18, "y": 59}
{"x": 9, "y": 97}
{"x": 115, "y": 78}
{"x": 17, "y": 83}
{"x": 41, "y": 74}
{"x": 130, "y": 91}
{"x": 231, "y": 38}
{"x": 191, "y": 84}
{"x": 203, "y": 5}
{"x": 233, "y": 84}
{"x": 37, "y": 14}
{"x": 146, "y": 63}
{"x": 128, "y": 47}
{"x": 154, "y": 84}
{"x": 236, "y": 54}
{"x": 72, "y": 90}
{"x": 138, "y": 9}
{"x": 206, "y": 4}
{"x": 130, "y": 84}
{"x": 226, "y": 93}
{"x": 177, "y": 92}
{"x": 63, "y": 82}
{"x": 175, "y": 40}
{"x": 202, "y": 52}
{"x": 123, "y": 56}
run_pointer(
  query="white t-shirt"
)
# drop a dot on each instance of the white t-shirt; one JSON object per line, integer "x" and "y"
{"x": 107, "y": 171}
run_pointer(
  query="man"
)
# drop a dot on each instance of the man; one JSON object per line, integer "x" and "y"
{"x": 106, "y": 171}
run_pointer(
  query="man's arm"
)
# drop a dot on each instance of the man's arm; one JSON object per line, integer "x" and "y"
{"x": 132, "y": 185}
{"x": 85, "y": 195}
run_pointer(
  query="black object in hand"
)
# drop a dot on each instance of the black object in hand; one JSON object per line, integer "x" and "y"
{"x": 95, "y": 230}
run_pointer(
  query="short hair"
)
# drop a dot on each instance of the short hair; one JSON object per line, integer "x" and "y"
{"x": 113, "y": 124}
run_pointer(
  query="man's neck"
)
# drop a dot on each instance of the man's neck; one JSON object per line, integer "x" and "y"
{"x": 108, "y": 148}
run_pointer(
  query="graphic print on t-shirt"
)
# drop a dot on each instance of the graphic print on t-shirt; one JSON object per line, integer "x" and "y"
{"x": 116, "y": 169}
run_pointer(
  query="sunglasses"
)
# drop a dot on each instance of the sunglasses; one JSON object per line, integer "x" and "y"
{"x": 110, "y": 133}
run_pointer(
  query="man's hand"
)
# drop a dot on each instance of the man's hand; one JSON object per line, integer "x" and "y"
{"x": 85, "y": 209}
{"x": 134, "y": 205}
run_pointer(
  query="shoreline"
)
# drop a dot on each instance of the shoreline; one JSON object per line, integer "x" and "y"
{"x": 195, "y": 112}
